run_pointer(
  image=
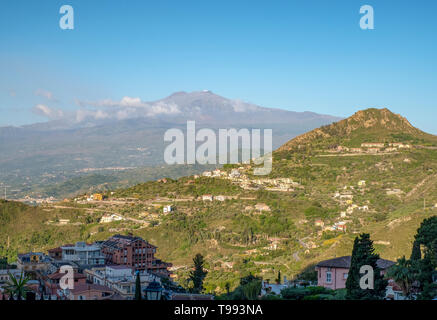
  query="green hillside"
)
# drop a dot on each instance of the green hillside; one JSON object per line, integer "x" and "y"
{"x": 385, "y": 192}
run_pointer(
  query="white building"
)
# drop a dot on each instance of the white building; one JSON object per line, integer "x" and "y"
{"x": 207, "y": 197}
{"x": 107, "y": 218}
{"x": 234, "y": 173}
{"x": 119, "y": 278}
{"x": 207, "y": 174}
{"x": 83, "y": 254}
{"x": 167, "y": 209}
{"x": 220, "y": 198}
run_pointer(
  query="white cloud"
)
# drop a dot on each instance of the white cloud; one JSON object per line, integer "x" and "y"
{"x": 126, "y": 108}
{"x": 48, "y": 112}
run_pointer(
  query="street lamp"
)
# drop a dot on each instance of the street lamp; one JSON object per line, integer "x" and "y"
{"x": 153, "y": 291}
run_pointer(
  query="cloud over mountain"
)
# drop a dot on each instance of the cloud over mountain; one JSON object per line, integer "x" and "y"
{"x": 50, "y": 113}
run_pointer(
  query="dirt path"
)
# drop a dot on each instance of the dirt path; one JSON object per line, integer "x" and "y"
{"x": 419, "y": 185}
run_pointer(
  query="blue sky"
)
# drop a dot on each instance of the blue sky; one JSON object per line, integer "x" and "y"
{"x": 296, "y": 55}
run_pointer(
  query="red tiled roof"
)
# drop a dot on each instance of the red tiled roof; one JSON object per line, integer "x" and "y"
{"x": 79, "y": 288}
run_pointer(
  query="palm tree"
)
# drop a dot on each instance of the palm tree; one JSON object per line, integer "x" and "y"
{"x": 17, "y": 286}
{"x": 402, "y": 275}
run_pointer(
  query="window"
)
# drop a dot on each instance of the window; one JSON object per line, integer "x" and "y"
{"x": 328, "y": 277}
{"x": 345, "y": 275}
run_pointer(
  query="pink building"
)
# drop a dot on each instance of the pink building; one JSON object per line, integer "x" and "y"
{"x": 333, "y": 273}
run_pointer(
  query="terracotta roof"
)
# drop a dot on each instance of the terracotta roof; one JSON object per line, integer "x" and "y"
{"x": 120, "y": 241}
{"x": 58, "y": 275}
{"x": 79, "y": 288}
{"x": 345, "y": 262}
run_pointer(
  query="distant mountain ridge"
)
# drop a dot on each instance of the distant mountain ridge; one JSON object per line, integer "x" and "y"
{"x": 56, "y": 151}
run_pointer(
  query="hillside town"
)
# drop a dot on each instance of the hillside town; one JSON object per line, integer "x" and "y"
{"x": 104, "y": 270}
{"x": 113, "y": 270}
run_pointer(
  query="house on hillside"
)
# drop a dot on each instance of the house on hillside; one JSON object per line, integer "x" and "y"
{"x": 33, "y": 261}
{"x": 372, "y": 145}
{"x": 400, "y": 145}
{"x": 207, "y": 174}
{"x": 373, "y": 150}
{"x": 207, "y": 197}
{"x": 107, "y": 218}
{"x": 333, "y": 273}
{"x": 218, "y": 173}
{"x": 262, "y": 207}
{"x": 362, "y": 183}
{"x": 167, "y": 209}
{"x": 98, "y": 197}
{"x": 234, "y": 173}
{"x": 319, "y": 223}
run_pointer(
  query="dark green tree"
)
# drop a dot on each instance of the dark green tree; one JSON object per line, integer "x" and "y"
{"x": 138, "y": 295}
{"x": 363, "y": 253}
{"x": 425, "y": 268}
{"x": 228, "y": 288}
{"x": 278, "y": 279}
{"x": 198, "y": 274}
{"x": 416, "y": 253}
{"x": 427, "y": 233}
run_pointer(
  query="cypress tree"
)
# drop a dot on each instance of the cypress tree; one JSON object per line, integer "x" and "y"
{"x": 363, "y": 253}
{"x": 198, "y": 274}
{"x": 138, "y": 295}
{"x": 278, "y": 280}
{"x": 415, "y": 253}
